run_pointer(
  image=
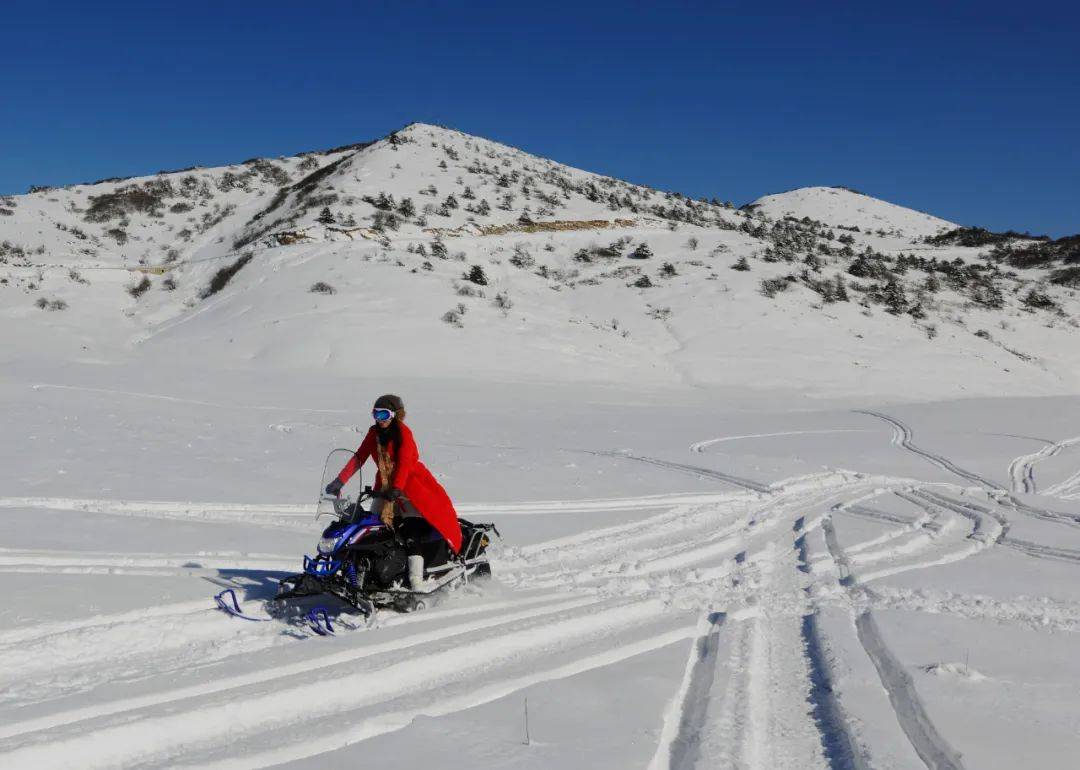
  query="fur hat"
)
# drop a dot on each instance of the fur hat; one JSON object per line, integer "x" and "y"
{"x": 392, "y": 402}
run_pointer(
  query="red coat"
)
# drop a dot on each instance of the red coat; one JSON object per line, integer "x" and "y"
{"x": 415, "y": 482}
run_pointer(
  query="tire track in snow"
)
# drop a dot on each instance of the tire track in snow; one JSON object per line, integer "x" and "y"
{"x": 928, "y": 743}
{"x": 43, "y": 630}
{"x": 680, "y": 740}
{"x": 1046, "y": 615}
{"x": 310, "y": 665}
{"x": 13, "y": 560}
{"x": 837, "y": 739}
{"x": 1022, "y": 469}
{"x": 902, "y": 436}
{"x": 701, "y": 446}
{"x": 211, "y": 724}
{"x": 985, "y": 532}
{"x": 887, "y": 560}
{"x": 1058, "y": 517}
{"x": 299, "y": 516}
{"x": 691, "y": 548}
{"x": 782, "y": 729}
{"x": 873, "y": 514}
{"x": 1042, "y": 551}
{"x": 1069, "y": 489}
{"x": 455, "y": 702}
{"x": 925, "y": 739}
{"x": 761, "y": 634}
{"x": 693, "y": 470}
{"x": 798, "y": 498}
{"x": 727, "y": 712}
{"x": 736, "y": 501}
{"x": 287, "y": 516}
{"x": 840, "y": 747}
{"x": 765, "y": 708}
{"x": 867, "y": 550}
{"x": 990, "y": 527}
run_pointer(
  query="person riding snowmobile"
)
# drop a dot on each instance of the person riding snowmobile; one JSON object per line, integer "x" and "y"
{"x": 408, "y": 498}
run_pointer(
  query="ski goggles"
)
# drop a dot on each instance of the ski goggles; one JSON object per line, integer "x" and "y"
{"x": 382, "y": 415}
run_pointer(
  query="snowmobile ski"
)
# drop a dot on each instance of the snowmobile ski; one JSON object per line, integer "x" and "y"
{"x": 233, "y": 607}
{"x": 319, "y": 621}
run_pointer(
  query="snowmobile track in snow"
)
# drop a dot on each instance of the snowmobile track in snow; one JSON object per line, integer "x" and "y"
{"x": 902, "y": 436}
{"x": 97, "y": 562}
{"x": 934, "y": 750}
{"x": 693, "y": 470}
{"x": 1022, "y": 469}
{"x": 1069, "y": 489}
{"x": 839, "y": 744}
{"x": 776, "y": 643}
{"x": 211, "y": 723}
{"x": 927, "y": 742}
{"x": 701, "y": 446}
{"x": 680, "y": 742}
{"x": 1044, "y": 615}
{"x": 322, "y": 662}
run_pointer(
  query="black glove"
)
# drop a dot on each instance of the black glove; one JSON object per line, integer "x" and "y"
{"x": 334, "y": 488}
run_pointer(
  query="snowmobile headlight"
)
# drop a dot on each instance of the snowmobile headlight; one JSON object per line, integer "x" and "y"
{"x": 327, "y": 544}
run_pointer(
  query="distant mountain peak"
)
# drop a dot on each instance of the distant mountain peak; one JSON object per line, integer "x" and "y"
{"x": 840, "y": 206}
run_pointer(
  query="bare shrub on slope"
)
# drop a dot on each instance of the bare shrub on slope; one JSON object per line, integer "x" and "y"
{"x": 224, "y": 275}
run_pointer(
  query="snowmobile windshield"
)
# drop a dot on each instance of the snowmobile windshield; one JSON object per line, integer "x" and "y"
{"x": 344, "y": 505}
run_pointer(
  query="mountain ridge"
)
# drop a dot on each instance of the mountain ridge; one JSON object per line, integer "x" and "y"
{"x": 498, "y": 261}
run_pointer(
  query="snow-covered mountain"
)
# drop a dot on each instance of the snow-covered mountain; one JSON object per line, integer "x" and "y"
{"x": 490, "y": 260}
{"x": 841, "y": 207}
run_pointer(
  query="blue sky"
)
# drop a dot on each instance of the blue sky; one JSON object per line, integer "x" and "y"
{"x": 970, "y": 111}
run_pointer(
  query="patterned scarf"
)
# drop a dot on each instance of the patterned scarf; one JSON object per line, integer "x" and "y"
{"x": 385, "y": 462}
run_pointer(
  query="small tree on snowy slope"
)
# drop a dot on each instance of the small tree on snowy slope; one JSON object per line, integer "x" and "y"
{"x": 325, "y": 217}
{"x": 641, "y": 252}
{"x": 894, "y": 297}
{"x": 840, "y": 289}
{"x": 476, "y": 275}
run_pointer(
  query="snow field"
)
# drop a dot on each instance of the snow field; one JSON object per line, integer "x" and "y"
{"x": 739, "y": 531}
{"x": 775, "y": 591}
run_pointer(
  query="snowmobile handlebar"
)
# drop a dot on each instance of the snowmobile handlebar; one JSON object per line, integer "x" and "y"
{"x": 485, "y": 526}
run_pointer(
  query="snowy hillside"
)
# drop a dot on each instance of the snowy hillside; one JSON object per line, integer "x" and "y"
{"x": 840, "y": 207}
{"x": 786, "y": 488}
{"x": 499, "y": 263}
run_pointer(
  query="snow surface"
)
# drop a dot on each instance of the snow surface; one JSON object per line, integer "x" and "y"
{"x": 748, "y": 534}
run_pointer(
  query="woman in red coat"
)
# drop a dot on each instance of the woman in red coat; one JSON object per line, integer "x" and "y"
{"x": 410, "y": 498}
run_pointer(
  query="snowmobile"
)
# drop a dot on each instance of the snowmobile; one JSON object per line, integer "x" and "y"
{"x": 363, "y": 562}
